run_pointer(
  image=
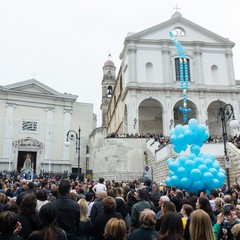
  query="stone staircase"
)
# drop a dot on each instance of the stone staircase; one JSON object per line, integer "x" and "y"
{"x": 157, "y": 158}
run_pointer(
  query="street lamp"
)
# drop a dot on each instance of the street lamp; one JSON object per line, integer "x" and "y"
{"x": 135, "y": 122}
{"x": 226, "y": 113}
{"x": 73, "y": 135}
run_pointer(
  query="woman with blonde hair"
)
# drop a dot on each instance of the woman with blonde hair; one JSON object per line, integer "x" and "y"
{"x": 201, "y": 226}
{"x": 236, "y": 231}
{"x": 219, "y": 203}
{"x": 115, "y": 229}
{"x": 85, "y": 223}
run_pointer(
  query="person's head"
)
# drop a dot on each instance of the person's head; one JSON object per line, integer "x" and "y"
{"x": 171, "y": 227}
{"x": 147, "y": 219}
{"x": 236, "y": 231}
{"x": 89, "y": 197}
{"x": 48, "y": 214}
{"x": 237, "y": 209}
{"x": 64, "y": 187}
{"x": 186, "y": 209}
{"x": 83, "y": 210}
{"x": 8, "y": 222}
{"x": 215, "y": 193}
{"x": 219, "y": 203}
{"x": 201, "y": 226}
{"x": 101, "y": 180}
{"x": 73, "y": 196}
{"x": 11, "y": 206}
{"x": 101, "y": 195}
{"x": 202, "y": 203}
{"x": 168, "y": 207}
{"x": 3, "y": 198}
{"x": 109, "y": 204}
{"x": 28, "y": 204}
{"x": 141, "y": 194}
{"x": 41, "y": 195}
{"x": 163, "y": 199}
{"x": 115, "y": 229}
{"x": 227, "y": 199}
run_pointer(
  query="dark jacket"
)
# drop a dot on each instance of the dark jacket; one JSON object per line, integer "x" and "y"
{"x": 68, "y": 215}
{"x": 137, "y": 208}
{"x": 29, "y": 224}
{"x": 97, "y": 208}
{"x": 9, "y": 237}
{"x": 143, "y": 233}
{"x": 100, "y": 223}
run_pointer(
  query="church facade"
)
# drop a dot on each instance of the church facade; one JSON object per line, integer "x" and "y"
{"x": 35, "y": 120}
{"x": 146, "y": 94}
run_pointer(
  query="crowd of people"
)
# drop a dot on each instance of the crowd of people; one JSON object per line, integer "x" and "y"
{"x": 164, "y": 140}
{"x": 63, "y": 209}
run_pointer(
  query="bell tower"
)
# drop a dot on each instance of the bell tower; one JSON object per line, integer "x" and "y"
{"x": 108, "y": 84}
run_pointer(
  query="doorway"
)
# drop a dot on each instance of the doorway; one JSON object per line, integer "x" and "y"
{"x": 22, "y": 156}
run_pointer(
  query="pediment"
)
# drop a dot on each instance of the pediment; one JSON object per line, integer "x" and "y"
{"x": 193, "y": 31}
{"x": 31, "y": 86}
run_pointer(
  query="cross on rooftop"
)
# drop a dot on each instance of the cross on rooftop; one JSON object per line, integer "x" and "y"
{"x": 177, "y": 8}
{"x": 34, "y": 74}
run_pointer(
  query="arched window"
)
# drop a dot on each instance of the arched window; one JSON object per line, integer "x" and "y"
{"x": 149, "y": 72}
{"x": 215, "y": 73}
{"x": 179, "y": 32}
{"x": 177, "y": 69}
{"x": 109, "y": 91}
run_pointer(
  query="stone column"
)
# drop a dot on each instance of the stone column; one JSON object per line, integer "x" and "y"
{"x": 9, "y": 131}
{"x": 67, "y": 127}
{"x": 49, "y": 136}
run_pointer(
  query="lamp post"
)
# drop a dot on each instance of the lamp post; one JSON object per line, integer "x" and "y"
{"x": 226, "y": 113}
{"x": 134, "y": 122}
{"x": 75, "y": 136}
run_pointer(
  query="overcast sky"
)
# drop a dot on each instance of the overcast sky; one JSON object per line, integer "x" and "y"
{"x": 64, "y": 43}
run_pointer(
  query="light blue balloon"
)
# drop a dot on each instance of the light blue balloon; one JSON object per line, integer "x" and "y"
{"x": 216, "y": 166}
{"x": 188, "y": 136}
{"x": 173, "y": 166}
{"x": 185, "y": 182}
{"x": 208, "y": 162}
{"x": 179, "y": 129}
{"x": 221, "y": 177}
{"x": 168, "y": 182}
{"x": 192, "y": 123}
{"x": 203, "y": 168}
{"x": 175, "y": 180}
{"x": 195, "y": 149}
{"x": 195, "y": 174}
{"x": 182, "y": 160}
{"x": 177, "y": 149}
{"x": 174, "y": 139}
{"x": 189, "y": 165}
{"x": 198, "y": 161}
{"x": 222, "y": 171}
{"x": 170, "y": 160}
{"x": 215, "y": 183}
{"x": 201, "y": 129}
{"x": 207, "y": 177}
{"x": 213, "y": 171}
{"x": 181, "y": 172}
{"x": 198, "y": 185}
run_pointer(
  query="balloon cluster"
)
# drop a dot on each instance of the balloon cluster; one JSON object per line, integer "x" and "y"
{"x": 196, "y": 171}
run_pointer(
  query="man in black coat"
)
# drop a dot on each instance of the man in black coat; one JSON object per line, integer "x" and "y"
{"x": 68, "y": 211}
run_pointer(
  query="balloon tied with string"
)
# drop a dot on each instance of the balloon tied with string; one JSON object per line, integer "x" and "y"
{"x": 183, "y": 76}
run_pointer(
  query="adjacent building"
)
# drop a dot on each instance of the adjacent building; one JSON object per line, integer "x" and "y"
{"x": 34, "y": 122}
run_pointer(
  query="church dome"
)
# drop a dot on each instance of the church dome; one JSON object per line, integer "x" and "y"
{"x": 109, "y": 63}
